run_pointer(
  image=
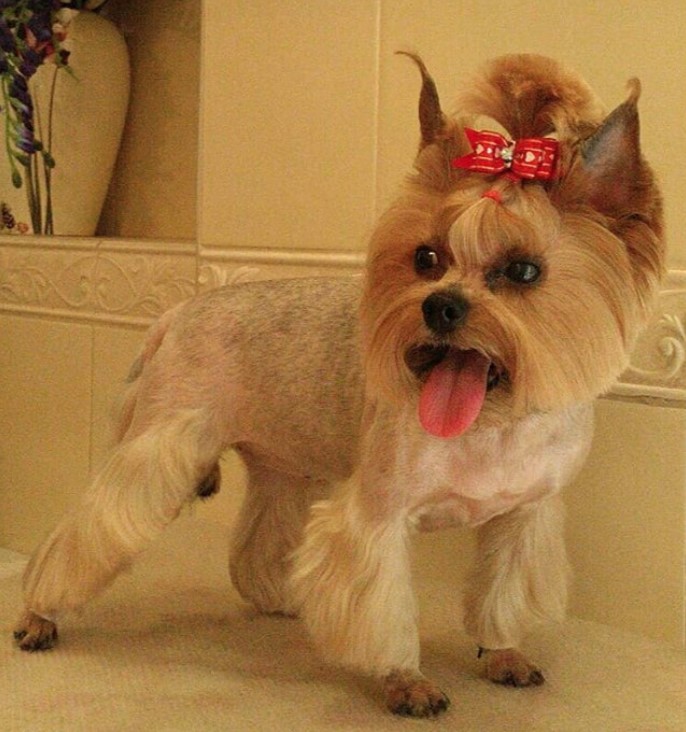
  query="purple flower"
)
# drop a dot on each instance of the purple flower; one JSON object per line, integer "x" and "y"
{"x": 26, "y": 144}
{"x": 19, "y": 90}
{"x": 8, "y": 43}
{"x": 27, "y": 69}
{"x": 32, "y": 58}
{"x": 23, "y": 105}
{"x": 42, "y": 6}
{"x": 40, "y": 24}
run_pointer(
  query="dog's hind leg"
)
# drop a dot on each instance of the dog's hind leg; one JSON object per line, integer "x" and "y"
{"x": 140, "y": 489}
{"x": 268, "y": 529}
{"x": 520, "y": 579}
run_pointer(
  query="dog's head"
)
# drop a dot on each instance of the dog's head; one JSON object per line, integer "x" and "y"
{"x": 517, "y": 266}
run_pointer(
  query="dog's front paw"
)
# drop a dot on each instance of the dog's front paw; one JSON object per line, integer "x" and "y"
{"x": 34, "y": 633}
{"x": 410, "y": 694}
{"x": 509, "y": 667}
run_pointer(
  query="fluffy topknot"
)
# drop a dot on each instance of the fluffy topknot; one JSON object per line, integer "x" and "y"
{"x": 532, "y": 96}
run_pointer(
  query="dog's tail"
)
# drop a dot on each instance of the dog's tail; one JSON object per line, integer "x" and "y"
{"x": 126, "y": 405}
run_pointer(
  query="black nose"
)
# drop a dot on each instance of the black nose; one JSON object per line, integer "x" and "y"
{"x": 444, "y": 311}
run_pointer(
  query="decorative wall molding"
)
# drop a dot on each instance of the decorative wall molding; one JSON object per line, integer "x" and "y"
{"x": 658, "y": 363}
{"x": 224, "y": 266}
{"x": 92, "y": 279}
{"x": 316, "y": 258}
{"x": 132, "y": 282}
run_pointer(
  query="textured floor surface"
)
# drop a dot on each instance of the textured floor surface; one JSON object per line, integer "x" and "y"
{"x": 171, "y": 647}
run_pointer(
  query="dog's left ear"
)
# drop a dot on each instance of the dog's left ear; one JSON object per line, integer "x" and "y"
{"x": 614, "y": 170}
{"x": 431, "y": 118}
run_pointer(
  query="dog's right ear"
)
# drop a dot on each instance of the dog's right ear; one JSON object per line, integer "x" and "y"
{"x": 431, "y": 118}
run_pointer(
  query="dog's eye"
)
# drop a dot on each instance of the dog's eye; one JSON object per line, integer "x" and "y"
{"x": 425, "y": 260}
{"x": 522, "y": 273}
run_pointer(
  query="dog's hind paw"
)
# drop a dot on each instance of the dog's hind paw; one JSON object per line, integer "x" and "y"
{"x": 409, "y": 694}
{"x": 34, "y": 633}
{"x": 509, "y": 667}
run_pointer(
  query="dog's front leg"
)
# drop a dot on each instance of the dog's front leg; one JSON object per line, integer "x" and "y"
{"x": 353, "y": 586}
{"x": 520, "y": 579}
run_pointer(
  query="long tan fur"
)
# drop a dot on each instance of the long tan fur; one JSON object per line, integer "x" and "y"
{"x": 453, "y": 386}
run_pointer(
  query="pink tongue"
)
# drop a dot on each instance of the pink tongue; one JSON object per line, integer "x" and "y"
{"x": 454, "y": 393}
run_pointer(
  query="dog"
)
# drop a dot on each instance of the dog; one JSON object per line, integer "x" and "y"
{"x": 451, "y": 385}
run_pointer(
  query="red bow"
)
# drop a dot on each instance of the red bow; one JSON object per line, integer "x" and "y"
{"x": 532, "y": 157}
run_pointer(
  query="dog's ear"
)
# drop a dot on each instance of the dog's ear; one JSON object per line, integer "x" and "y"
{"x": 614, "y": 171}
{"x": 431, "y": 118}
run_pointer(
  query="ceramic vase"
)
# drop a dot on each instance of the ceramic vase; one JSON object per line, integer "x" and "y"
{"x": 79, "y": 115}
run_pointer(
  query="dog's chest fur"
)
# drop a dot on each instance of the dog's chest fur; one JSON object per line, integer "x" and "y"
{"x": 484, "y": 473}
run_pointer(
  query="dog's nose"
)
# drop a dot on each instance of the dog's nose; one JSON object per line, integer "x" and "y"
{"x": 444, "y": 311}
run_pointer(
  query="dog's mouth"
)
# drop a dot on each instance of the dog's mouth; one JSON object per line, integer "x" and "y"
{"x": 421, "y": 359}
{"x": 454, "y": 385}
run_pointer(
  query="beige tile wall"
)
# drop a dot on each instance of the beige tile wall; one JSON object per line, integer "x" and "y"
{"x": 305, "y": 130}
{"x": 45, "y": 422}
{"x": 307, "y": 121}
{"x": 626, "y": 520}
{"x": 289, "y": 124}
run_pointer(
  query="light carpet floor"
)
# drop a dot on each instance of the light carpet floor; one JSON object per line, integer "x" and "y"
{"x": 171, "y": 647}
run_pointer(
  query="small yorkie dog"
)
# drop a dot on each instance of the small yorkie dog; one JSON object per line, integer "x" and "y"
{"x": 452, "y": 386}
